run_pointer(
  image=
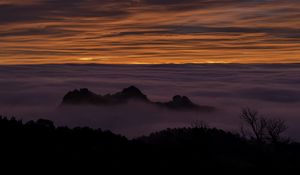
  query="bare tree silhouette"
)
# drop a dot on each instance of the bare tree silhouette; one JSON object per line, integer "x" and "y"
{"x": 275, "y": 127}
{"x": 260, "y": 128}
{"x": 256, "y": 123}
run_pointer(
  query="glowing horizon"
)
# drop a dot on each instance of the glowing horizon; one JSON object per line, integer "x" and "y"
{"x": 149, "y": 31}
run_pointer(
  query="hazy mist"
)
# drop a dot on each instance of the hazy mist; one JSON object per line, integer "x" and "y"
{"x": 30, "y": 92}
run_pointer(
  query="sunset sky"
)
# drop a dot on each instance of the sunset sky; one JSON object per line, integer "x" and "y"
{"x": 149, "y": 31}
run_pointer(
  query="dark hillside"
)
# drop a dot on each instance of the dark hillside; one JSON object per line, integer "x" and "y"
{"x": 41, "y": 144}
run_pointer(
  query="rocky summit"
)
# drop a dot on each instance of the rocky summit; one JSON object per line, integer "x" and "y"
{"x": 86, "y": 97}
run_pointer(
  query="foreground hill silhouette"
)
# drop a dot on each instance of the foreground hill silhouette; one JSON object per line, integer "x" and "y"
{"x": 85, "y": 96}
{"x": 39, "y": 144}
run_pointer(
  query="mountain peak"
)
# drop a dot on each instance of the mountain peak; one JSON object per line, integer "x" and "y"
{"x": 181, "y": 102}
{"x": 84, "y": 96}
{"x": 132, "y": 92}
{"x": 131, "y": 89}
{"x": 79, "y": 96}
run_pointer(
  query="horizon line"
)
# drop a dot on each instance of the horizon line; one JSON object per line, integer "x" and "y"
{"x": 147, "y": 64}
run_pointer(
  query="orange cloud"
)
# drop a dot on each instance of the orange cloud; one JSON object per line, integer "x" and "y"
{"x": 149, "y": 31}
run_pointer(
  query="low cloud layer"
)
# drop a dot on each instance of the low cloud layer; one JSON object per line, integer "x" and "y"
{"x": 149, "y": 31}
{"x": 31, "y": 92}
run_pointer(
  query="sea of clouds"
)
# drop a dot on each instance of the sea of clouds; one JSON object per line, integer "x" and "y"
{"x": 35, "y": 91}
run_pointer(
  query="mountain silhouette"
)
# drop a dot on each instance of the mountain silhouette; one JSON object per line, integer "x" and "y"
{"x": 131, "y": 93}
{"x": 86, "y": 97}
{"x": 179, "y": 102}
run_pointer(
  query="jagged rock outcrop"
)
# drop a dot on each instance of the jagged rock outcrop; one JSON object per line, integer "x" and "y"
{"x": 84, "y": 96}
{"x": 179, "y": 102}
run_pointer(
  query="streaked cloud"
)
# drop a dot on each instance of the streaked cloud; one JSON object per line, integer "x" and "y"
{"x": 149, "y": 31}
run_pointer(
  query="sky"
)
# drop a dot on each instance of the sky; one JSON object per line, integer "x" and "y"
{"x": 149, "y": 31}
